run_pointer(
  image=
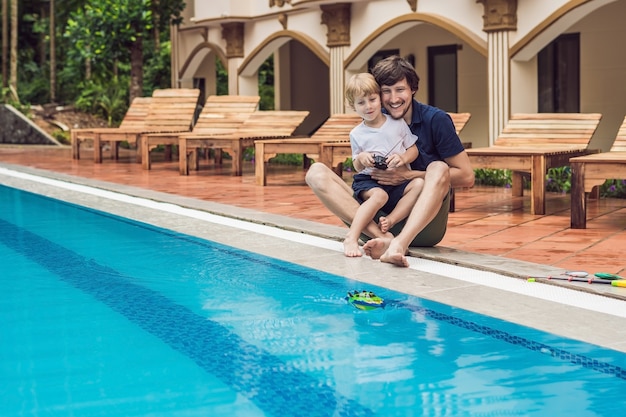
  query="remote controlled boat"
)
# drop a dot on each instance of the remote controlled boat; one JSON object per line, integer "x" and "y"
{"x": 365, "y": 300}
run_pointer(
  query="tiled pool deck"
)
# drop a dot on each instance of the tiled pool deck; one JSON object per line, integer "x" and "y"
{"x": 480, "y": 237}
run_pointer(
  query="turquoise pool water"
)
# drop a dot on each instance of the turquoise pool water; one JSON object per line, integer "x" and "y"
{"x": 103, "y": 316}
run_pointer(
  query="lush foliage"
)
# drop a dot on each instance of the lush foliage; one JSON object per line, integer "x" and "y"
{"x": 497, "y": 177}
{"x": 557, "y": 180}
{"x": 266, "y": 84}
{"x": 97, "y": 45}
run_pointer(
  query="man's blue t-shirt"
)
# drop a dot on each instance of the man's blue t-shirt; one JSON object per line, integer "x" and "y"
{"x": 436, "y": 135}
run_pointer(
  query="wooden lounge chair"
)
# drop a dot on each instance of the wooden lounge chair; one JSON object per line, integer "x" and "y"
{"x": 590, "y": 171}
{"x": 170, "y": 110}
{"x": 335, "y": 128}
{"x": 220, "y": 115}
{"x": 134, "y": 119}
{"x": 532, "y": 144}
{"x": 262, "y": 123}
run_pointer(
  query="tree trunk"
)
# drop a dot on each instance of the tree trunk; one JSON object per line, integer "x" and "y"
{"x": 5, "y": 43}
{"x": 155, "y": 26}
{"x": 53, "y": 55}
{"x": 136, "y": 69}
{"x": 13, "y": 76}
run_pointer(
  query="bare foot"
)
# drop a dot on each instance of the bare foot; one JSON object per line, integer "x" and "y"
{"x": 351, "y": 249}
{"x": 384, "y": 224}
{"x": 395, "y": 254}
{"x": 376, "y": 247}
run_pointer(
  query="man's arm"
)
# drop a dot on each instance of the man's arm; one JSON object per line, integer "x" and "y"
{"x": 395, "y": 176}
{"x": 461, "y": 172}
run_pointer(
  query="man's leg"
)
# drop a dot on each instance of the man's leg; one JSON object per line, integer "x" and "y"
{"x": 428, "y": 205}
{"x": 336, "y": 195}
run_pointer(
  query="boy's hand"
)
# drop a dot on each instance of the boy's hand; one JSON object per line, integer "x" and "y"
{"x": 366, "y": 159}
{"x": 394, "y": 161}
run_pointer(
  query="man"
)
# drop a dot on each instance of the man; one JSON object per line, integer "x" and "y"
{"x": 442, "y": 163}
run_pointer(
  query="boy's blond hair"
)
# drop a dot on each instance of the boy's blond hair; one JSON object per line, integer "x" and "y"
{"x": 361, "y": 85}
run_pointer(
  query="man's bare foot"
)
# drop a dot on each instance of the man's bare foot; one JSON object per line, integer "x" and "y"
{"x": 395, "y": 254}
{"x": 374, "y": 248}
{"x": 351, "y": 249}
{"x": 384, "y": 224}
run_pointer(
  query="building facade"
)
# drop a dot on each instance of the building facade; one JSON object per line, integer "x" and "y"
{"x": 490, "y": 58}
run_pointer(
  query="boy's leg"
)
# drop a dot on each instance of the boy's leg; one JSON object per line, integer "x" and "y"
{"x": 404, "y": 206}
{"x": 337, "y": 196}
{"x": 374, "y": 199}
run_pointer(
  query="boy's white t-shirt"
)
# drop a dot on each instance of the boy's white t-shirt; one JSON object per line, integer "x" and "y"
{"x": 393, "y": 137}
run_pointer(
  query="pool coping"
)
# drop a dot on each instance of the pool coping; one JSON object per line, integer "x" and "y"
{"x": 590, "y": 326}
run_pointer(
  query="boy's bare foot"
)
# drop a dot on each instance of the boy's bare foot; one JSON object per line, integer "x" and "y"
{"x": 395, "y": 254}
{"x": 351, "y": 249}
{"x": 375, "y": 248}
{"x": 384, "y": 224}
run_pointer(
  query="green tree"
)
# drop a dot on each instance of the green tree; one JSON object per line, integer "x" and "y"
{"x": 106, "y": 31}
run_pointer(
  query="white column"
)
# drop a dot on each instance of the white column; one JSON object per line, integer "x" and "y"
{"x": 233, "y": 76}
{"x": 499, "y": 73}
{"x": 337, "y": 81}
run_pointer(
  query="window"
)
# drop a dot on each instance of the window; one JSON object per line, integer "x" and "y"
{"x": 442, "y": 77}
{"x": 558, "y": 66}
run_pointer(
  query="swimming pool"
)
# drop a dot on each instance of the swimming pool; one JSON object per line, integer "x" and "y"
{"x": 106, "y": 316}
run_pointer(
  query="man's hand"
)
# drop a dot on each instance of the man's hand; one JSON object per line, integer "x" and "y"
{"x": 395, "y": 176}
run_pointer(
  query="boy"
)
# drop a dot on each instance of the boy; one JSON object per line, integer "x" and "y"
{"x": 378, "y": 142}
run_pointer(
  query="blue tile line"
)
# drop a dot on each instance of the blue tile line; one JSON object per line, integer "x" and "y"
{"x": 564, "y": 355}
{"x": 274, "y": 386}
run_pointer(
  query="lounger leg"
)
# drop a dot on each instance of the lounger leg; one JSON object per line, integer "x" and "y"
{"x": 97, "y": 149}
{"x": 75, "y": 145}
{"x": 538, "y": 185}
{"x": 517, "y": 184}
{"x": 183, "y": 162}
{"x": 193, "y": 159}
{"x": 237, "y": 168}
{"x": 578, "y": 200}
{"x": 452, "y": 201}
{"x": 145, "y": 152}
{"x": 259, "y": 164}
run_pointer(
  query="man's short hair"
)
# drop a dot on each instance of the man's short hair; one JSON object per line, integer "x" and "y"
{"x": 394, "y": 69}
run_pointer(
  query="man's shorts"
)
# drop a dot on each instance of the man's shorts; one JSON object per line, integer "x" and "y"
{"x": 432, "y": 234}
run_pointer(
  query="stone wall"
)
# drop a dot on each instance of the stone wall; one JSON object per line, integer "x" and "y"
{"x": 15, "y": 128}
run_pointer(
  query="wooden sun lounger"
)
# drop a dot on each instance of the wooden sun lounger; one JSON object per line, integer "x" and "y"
{"x": 220, "y": 115}
{"x": 170, "y": 110}
{"x": 133, "y": 120}
{"x": 261, "y": 123}
{"x": 335, "y": 128}
{"x": 532, "y": 144}
{"x": 591, "y": 171}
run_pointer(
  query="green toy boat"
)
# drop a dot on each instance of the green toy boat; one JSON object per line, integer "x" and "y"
{"x": 365, "y": 300}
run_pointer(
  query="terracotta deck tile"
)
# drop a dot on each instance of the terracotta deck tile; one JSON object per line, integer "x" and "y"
{"x": 487, "y": 219}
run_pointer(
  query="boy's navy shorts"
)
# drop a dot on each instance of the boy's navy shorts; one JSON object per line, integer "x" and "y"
{"x": 364, "y": 182}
